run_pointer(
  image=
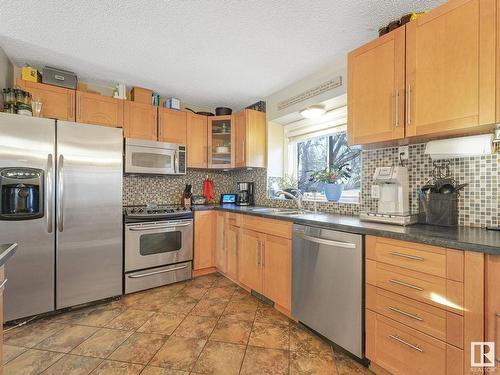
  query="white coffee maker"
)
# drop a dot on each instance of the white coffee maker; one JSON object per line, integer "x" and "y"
{"x": 391, "y": 188}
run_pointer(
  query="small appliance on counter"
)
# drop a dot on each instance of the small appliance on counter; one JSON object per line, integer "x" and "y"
{"x": 198, "y": 200}
{"x": 391, "y": 188}
{"x": 245, "y": 194}
{"x": 228, "y": 198}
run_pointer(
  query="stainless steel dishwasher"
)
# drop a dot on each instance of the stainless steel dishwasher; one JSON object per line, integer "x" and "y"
{"x": 327, "y": 284}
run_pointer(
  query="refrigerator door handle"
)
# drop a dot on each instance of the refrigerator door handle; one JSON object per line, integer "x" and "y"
{"x": 49, "y": 193}
{"x": 60, "y": 195}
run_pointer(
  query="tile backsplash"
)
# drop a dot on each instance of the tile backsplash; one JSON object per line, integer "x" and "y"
{"x": 478, "y": 202}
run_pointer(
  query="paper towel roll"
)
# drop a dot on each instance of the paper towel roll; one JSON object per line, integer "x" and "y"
{"x": 464, "y": 147}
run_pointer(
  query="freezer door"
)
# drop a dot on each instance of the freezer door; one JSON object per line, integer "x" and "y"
{"x": 29, "y": 142}
{"x": 89, "y": 213}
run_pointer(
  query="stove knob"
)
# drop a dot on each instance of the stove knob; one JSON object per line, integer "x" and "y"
{"x": 132, "y": 211}
{"x": 140, "y": 210}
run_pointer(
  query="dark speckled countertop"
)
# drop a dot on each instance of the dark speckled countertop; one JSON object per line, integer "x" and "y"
{"x": 463, "y": 238}
{"x": 6, "y": 251}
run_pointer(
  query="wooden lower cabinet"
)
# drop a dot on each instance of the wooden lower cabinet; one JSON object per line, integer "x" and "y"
{"x": 231, "y": 245}
{"x": 277, "y": 270}
{"x": 400, "y": 349}
{"x": 220, "y": 245}
{"x": 492, "y": 306}
{"x": 249, "y": 262}
{"x": 99, "y": 110}
{"x": 204, "y": 240}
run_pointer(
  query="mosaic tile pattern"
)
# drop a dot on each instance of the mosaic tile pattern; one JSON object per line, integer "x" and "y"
{"x": 242, "y": 336}
{"x": 479, "y": 202}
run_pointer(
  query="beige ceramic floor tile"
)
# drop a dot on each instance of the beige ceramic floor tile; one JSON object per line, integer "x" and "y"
{"x": 347, "y": 366}
{"x": 102, "y": 343}
{"x": 303, "y": 340}
{"x": 67, "y": 339}
{"x": 220, "y": 358}
{"x": 212, "y": 307}
{"x": 222, "y": 292}
{"x": 310, "y": 363}
{"x": 117, "y": 368}
{"x": 139, "y": 348}
{"x": 152, "y": 370}
{"x": 31, "y": 362}
{"x": 270, "y": 336}
{"x": 270, "y": 315}
{"x": 74, "y": 365}
{"x": 196, "y": 327}
{"x": 31, "y": 334}
{"x": 162, "y": 323}
{"x": 99, "y": 316}
{"x": 10, "y": 352}
{"x": 264, "y": 361}
{"x": 179, "y": 304}
{"x": 178, "y": 353}
{"x": 232, "y": 330}
{"x": 193, "y": 291}
{"x": 130, "y": 319}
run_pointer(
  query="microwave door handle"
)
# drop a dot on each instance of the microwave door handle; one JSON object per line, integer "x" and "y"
{"x": 176, "y": 161}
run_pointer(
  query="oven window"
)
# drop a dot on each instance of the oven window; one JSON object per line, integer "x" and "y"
{"x": 157, "y": 243}
{"x": 150, "y": 160}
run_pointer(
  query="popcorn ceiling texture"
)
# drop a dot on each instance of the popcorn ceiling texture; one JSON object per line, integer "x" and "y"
{"x": 478, "y": 203}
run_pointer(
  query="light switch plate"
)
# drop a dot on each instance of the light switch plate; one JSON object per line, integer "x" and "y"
{"x": 375, "y": 192}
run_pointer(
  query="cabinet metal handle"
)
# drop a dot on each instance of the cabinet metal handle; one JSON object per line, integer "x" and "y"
{"x": 402, "y": 283}
{"x": 400, "y": 340}
{"x": 408, "y": 105}
{"x": 3, "y": 283}
{"x": 397, "y": 107}
{"x": 60, "y": 198}
{"x": 78, "y": 106}
{"x": 257, "y": 252}
{"x": 407, "y": 256}
{"x": 416, "y": 317}
{"x": 263, "y": 253}
{"x": 156, "y": 272}
{"x": 49, "y": 193}
{"x": 497, "y": 315}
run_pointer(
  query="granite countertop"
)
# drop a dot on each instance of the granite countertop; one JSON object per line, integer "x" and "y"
{"x": 463, "y": 238}
{"x": 6, "y": 251}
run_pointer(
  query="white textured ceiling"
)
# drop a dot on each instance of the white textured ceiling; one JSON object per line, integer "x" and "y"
{"x": 211, "y": 52}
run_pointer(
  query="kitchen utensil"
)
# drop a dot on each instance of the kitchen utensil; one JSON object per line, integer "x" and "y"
{"x": 208, "y": 190}
{"x": 223, "y": 111}
{"x": 201, "y": 112}
{"x": 460, "y": 187}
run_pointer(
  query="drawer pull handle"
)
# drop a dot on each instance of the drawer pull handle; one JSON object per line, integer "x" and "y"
{"x": 497, "y": 316}
{"x": 395, "y": 337}
{"x": 402, "y": 283}
{"x": 416, "y": 317}
{"x": 407, "y": 256}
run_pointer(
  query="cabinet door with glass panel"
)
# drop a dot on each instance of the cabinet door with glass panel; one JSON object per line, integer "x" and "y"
{"x": 220, "y": 142}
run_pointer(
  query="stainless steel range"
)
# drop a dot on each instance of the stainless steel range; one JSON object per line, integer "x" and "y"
{"x": 158, "y": 246}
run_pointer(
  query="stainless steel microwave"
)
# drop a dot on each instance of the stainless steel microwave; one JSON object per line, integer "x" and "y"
{"x": 151, "y": 157}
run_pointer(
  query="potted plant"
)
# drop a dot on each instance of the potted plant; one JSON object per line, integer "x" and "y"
{"x": 290, "y": 185}
{"x": 336, "y": 175}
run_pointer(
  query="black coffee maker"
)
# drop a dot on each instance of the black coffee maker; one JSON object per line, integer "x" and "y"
{"x": 245, "y": 194}
{"x": 21, "y": 193}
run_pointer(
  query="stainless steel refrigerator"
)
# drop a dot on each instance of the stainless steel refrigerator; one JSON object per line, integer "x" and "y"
{"x": 61, "y": 201}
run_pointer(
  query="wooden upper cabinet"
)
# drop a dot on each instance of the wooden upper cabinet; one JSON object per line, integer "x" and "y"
{"x": 277, "y": 270}
{"x": 376, "y": 90}
{"x": 250, "y": 139}
{"x": 450, "y": 68}
{"x": 99, "y": 110}
{"x": 172, "y": 126}
{"x": 140, "y": 121}
{"x": 197, "y": 151}
{"x": 57, "y": 102}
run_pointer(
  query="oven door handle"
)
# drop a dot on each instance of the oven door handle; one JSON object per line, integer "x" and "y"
{"x": 173, "y": 227}
{"x": 156, "y": 272}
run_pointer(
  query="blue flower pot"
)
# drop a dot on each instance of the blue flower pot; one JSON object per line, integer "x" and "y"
{"x": 333, "y": 192}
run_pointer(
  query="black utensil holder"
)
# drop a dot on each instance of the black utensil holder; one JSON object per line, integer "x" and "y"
{"x": 439, "y": 209}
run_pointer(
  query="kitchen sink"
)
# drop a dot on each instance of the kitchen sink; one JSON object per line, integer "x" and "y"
{"x": 279, "y": 211}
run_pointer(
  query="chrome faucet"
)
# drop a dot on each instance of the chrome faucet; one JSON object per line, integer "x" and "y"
{"x": 297, "y": 199}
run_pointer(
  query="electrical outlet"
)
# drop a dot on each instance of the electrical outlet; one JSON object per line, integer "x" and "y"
{"x": 404, "y": 152}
